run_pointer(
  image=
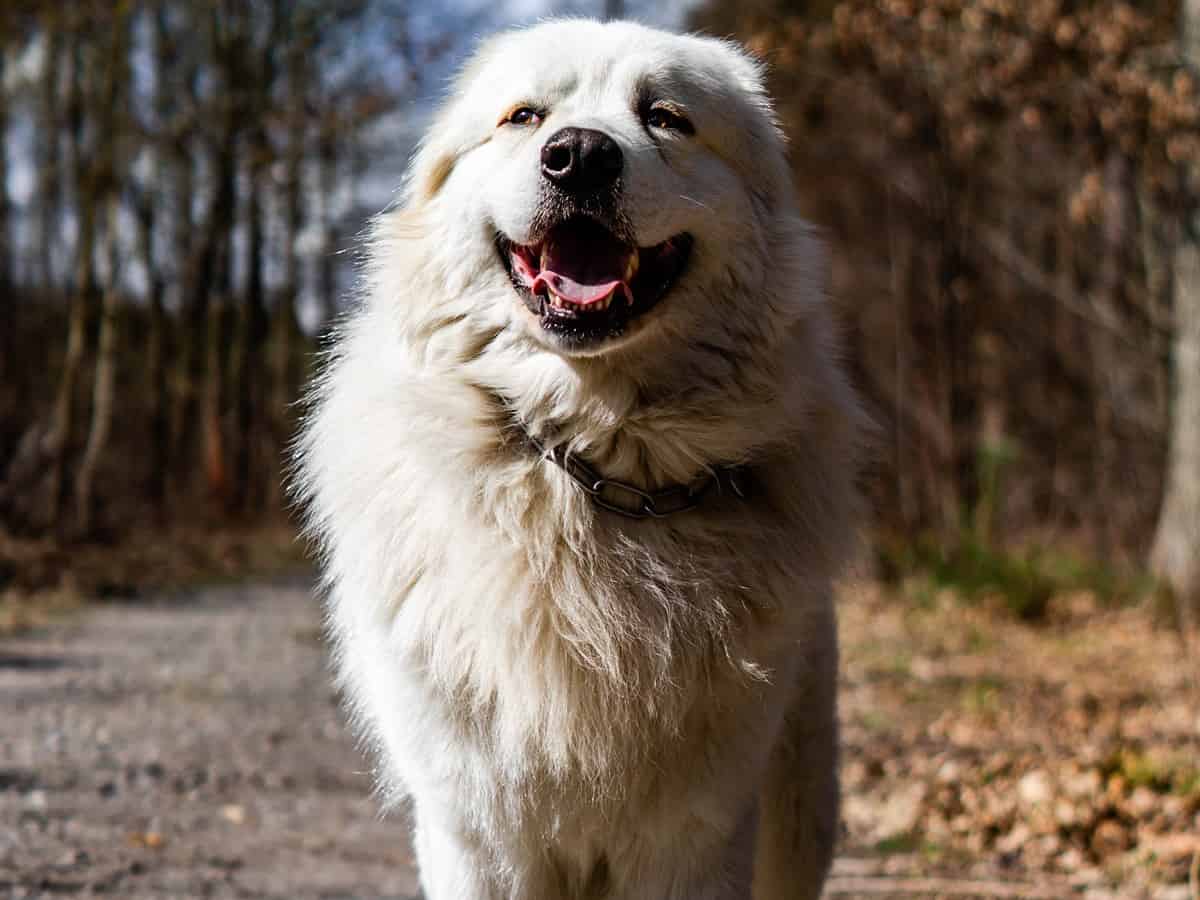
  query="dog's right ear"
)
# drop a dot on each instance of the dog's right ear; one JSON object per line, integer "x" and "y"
{"x": 433, "y": 160}
{"x": 446, "y": 137}
{"x": 429, "y": 171}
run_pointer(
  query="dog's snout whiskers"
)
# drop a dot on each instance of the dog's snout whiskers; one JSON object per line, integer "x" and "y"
{"x": 698, "y": 203}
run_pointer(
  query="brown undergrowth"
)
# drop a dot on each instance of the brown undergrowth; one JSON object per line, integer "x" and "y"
{"x": 42, "y": 578}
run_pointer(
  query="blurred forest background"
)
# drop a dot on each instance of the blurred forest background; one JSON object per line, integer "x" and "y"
{"x": 1009, "y": 188}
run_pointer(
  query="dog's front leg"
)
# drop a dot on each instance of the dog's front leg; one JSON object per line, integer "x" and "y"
{"x": 721, "y": 869}
{"x": 799, "y": 823}
{"x": 734, "y": 874}
{"x": 451, "y": 868}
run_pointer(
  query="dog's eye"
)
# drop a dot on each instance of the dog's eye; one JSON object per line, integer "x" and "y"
{"x": 522, "y": 115}
{"x": 662, "y": 116}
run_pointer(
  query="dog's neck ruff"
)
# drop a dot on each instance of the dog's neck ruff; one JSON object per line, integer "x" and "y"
{"x": 636, "y": 502}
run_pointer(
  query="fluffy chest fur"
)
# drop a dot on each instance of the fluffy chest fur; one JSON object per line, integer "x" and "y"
{"x": 568, "y": 678}
{"x": 560, "y": 642}
{"x": 493, "y": 556}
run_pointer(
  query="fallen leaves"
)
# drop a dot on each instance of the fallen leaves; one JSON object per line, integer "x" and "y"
{"x": 1072, "y": 768}
{"x": 151, "y": 840}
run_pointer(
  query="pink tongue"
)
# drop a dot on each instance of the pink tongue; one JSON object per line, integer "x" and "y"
{"x": 576, "y": 292}
{"x": 582, "y": 263}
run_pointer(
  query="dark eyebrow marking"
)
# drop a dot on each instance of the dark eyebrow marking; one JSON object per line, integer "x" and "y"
{"x": 647, "y": 96}
{"x": 644, "y": 95}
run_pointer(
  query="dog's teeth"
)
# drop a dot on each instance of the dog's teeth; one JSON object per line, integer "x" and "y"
{"x": 603, "y": 304}
{"x": 632, "y": 267}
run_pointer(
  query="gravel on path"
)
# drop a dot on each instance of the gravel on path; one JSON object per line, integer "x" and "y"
{"x": 191, "y": 747}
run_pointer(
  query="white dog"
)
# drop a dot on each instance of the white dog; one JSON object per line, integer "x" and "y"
{"x": 581, "y": 466}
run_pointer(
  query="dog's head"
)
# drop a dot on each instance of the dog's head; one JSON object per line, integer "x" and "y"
{"x": 613, "y": 179}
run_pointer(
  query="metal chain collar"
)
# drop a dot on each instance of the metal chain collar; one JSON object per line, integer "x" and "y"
{"x": 677, "y": 498}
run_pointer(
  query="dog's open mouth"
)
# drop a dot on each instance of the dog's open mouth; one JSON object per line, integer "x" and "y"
{"x": 585, "y": 285}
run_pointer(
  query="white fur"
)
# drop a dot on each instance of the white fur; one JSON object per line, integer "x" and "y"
{"x": 580, "y": 705}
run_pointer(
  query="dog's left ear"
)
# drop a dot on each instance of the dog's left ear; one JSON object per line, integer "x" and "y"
{"x": 749, "y": 73}
{"x": 742, "y": 80}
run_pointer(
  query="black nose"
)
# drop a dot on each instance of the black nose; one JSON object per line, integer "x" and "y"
{"x": 581, "y": 160}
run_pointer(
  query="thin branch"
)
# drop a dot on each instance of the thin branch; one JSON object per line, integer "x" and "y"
{"x": 1001, "y": 250}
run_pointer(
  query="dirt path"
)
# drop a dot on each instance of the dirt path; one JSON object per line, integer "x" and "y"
{"x": 195, "y": 748}
{"x": 192, "y": 748}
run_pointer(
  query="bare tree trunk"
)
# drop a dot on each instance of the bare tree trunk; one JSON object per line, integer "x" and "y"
{"x": 992, "y": 367}
{"x": 1105, "y": 359}
{"x": 200, "y": 277}
{"x": 217, "y": 339}
{"x": 285, "y": 374}
{"x": 164, "y": 153}
{"x": 328, "y": 161}
{"x": 216, "y": 476}
{"x": 1067, "y": 335}
{"x": 216, "y": 381}
{"x": 902, "y": 258}
{"x": 58, "y": 438}
{"x": 49, "y": 129}
{"x": 6, "y": 257}
{"x": 1175, "y": 556}
{"x": 156, "y": 362}
{"x": 180, "y": 377}
{"x": 8, "y": 303}
{"x": 293, "y": 208}
{"x": 1157, "y": 240}
{"x": 200, "y": 399}
{"x": 251, "y": 335}
{"x": 56, "y": 441}
{"x": 955, "y": 330}
{"x": 103, "y": 184}
{"x": 284, "y": 380}
{"x": 104, "y": 385}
